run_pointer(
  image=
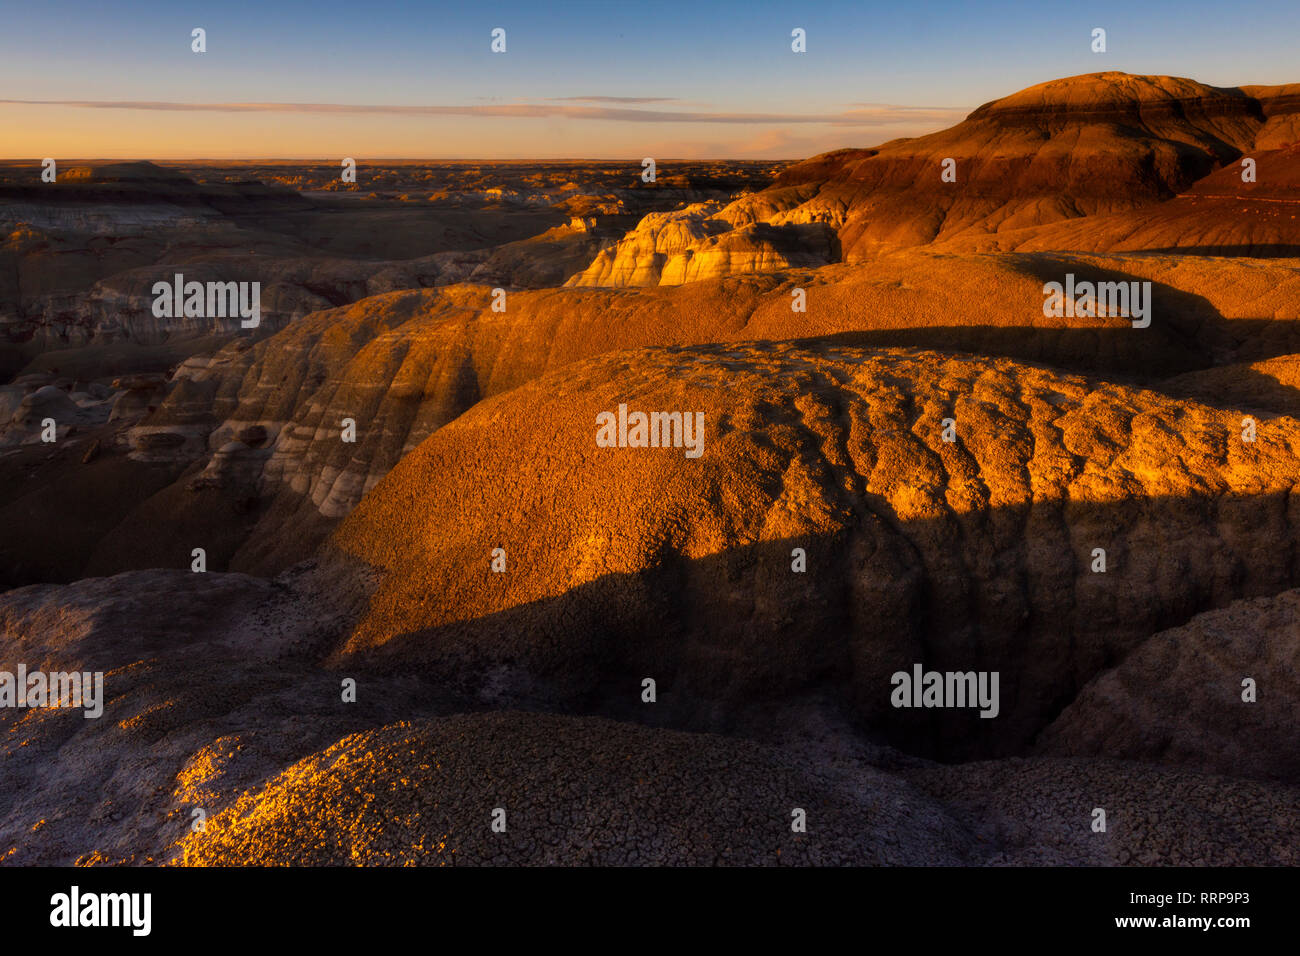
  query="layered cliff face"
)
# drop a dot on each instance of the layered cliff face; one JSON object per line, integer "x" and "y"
{"x": 699, "y": 242}
{"x": 1082, "y": 151}
{"x": 1248, "y": 208}
{"x": 640, "y": 257}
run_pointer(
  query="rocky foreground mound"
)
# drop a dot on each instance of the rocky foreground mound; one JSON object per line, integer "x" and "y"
{"x": 223, "y": 741}
{"x": 1180, "y": 696}
{"x": 573, "y": 791}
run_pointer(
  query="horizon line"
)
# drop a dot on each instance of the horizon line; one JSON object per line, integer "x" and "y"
{"x": 411, "y": 159}
{"x": 860, "y": 114}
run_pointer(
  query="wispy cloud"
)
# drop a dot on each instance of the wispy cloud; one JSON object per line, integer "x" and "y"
{"x": 891, "y": 106}
{"x": 862, "y": 115}
{"x": 612, "y": 99}
{"x": 890, "y": 113}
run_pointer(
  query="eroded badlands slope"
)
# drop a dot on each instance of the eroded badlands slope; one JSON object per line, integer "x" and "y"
{"x": 975, "y": 554}
{"x": 1222, "y": 214}
{"x": 260, "y": 426}
{"x": 826, "y": 537}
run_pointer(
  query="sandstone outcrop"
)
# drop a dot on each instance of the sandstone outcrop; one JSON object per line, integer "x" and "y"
{"x": 697, "y": 242}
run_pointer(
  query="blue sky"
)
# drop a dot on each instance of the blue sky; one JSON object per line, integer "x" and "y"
{"x": 731, "y": 61}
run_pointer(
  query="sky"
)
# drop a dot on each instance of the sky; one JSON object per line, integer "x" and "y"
{"x": 596, "y": 79}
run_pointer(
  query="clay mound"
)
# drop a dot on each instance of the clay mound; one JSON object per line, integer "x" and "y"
{"x": 1040, "y": 812}
{"x": 402, "y": 365}
{"x": 1177, "y": 698}
{"x": 575, "y": 791}
{"x": 975, "y": 554}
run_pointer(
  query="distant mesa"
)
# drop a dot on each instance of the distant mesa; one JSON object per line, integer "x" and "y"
{"x": 135, "y": 172}
{"x": 1062, "y": 151}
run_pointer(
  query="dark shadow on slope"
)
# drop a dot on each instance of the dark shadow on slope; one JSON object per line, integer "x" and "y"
{"x": 1187, "y": 334}
{"x": 1263, "y": 250}
{"x": 733, "y": 639}
{"x": 1116, "y": 354}
{"x": 1249, "y": 390}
